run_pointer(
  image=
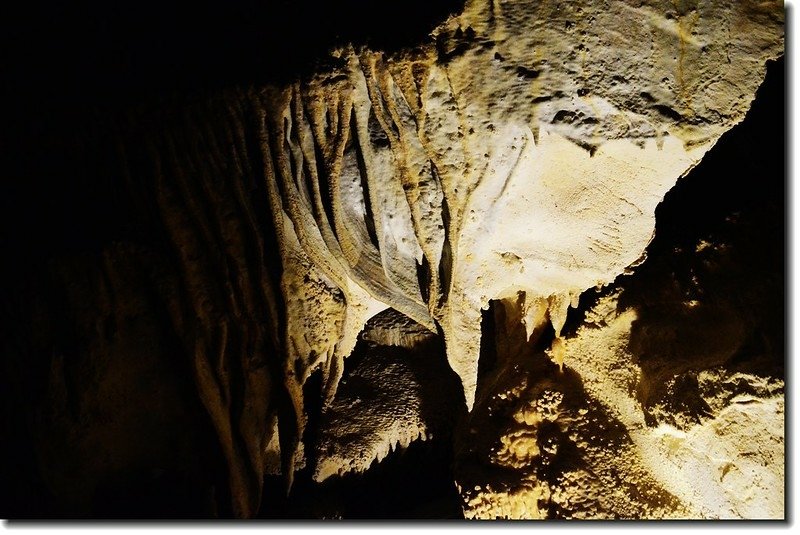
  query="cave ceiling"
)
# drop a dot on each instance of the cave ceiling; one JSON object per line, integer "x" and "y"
{"x": 507, "y": 259}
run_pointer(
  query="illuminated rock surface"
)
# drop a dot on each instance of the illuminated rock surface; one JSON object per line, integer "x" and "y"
{"x": 386, "y": 206}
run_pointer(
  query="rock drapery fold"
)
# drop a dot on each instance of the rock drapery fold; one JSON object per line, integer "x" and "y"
{"x": 516, "y": 156}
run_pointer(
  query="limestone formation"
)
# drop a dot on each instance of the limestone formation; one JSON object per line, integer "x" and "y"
{"x": 387, "y": 204}
{"x": 525, "y": 152}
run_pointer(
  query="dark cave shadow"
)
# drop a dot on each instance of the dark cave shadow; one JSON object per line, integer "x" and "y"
{"x": 101, "y": 54}
{"x": 412, "y": 483}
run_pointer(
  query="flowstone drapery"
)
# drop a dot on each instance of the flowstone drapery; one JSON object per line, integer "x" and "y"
{"x": 449, "y": 202}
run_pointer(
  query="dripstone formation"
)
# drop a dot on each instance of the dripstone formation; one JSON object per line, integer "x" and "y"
{"x": 451, "y": 246}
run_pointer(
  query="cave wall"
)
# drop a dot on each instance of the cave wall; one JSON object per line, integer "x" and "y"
{"x": 202, "y": 256}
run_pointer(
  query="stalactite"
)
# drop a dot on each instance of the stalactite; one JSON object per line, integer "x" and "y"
{"x": 511, "y": 158}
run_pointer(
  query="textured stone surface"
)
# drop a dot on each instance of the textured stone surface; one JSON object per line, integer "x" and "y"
{"x": 559, "y": 219}
{"x": 525, "y": 151}
{"x": 395, "y": 394}
{"x": 712, "y": 451}
{"x": 516, "y": 156}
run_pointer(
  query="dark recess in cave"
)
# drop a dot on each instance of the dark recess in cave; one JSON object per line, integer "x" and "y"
{"x": 383, "y": 491}
{"x": 71, "y": 71}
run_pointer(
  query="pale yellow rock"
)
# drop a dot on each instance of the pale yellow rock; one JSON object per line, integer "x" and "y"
{"x": 526, "y": 151}
{"x": 730, "y": 464}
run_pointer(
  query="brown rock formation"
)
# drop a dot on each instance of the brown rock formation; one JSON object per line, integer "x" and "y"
{"x": 378, "y": 207}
